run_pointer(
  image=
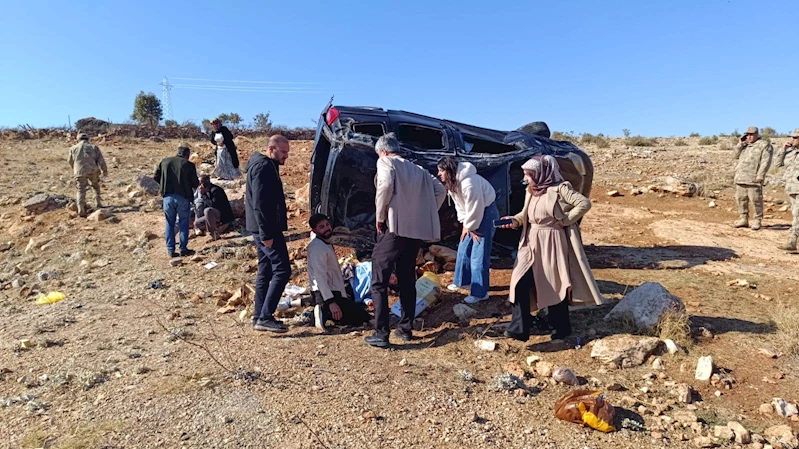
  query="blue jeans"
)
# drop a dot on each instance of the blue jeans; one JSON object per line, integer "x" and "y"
{"x": 274, "y": 272}
{"x": 175, "y": 206}
{"x": 474, "y": 259}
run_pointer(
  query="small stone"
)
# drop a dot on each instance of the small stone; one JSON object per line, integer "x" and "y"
{"x": 671, "y": 346}
{"x": 742, "y": 435}
{"x": 712, "y": 204}
{"x": 658, "y": 364}
{"x": 544, "y": 369}
{"x": 463, "y": 312}
{"x": 98, "y": 215}
{"x": 723, "y": 433}
{"x": 784, "y": 408}
{"x": 25, "y": 344}
{"x": 138, "y": 251}
{"x": 783, "y": 433}
{"x": 485, "y": 345}
{"x": 685, "y": 394}
{"x": 766, "y": 409}
{"x": 704, "y": 368}
{"x": 642, "y": 410}
{"x": 614, "y": 193}
{"x": 175, "y": 262}
{"x": 704, "y": 442}
{"x": 685, "y": 417}
{"x": 135, "y": 194}
{"x": 657, "y": 435}
{"x": 17, "y": 283}
{"x": 532, "y": 360}
{"x": 403, "y": 362}
{"x": 370, "y": 415}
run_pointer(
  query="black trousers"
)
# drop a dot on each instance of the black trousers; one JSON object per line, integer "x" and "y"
{"x": 352, "y": 314}
{"x": 274, "y": 272}
{"x": 393, "y": 253}
{"x": 522, "y": 319}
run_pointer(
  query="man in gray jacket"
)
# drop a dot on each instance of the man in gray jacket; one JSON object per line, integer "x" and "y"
{"x": 754, "y": 159}
{"x": 406, "y": 187}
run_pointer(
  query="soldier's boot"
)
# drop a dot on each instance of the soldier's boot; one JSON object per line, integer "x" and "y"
{"x": 790, "y": 245}
{"x": 756, "y": 225}
{"x": 742, "y": 222}
{"x": 98, "y": 201}
{"x": 82, "y": 209}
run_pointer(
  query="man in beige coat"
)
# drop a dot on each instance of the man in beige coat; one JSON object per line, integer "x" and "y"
{"x": 87, "y": 162}
{"x": 407, "y": 201}
{"x": 754, "y": 159}
{"x": 790, "y": 159}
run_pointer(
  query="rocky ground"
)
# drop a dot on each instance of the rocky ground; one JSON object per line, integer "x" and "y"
{"x": 121, "y": 364}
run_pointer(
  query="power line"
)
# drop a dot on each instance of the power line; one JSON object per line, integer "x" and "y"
{"x": 240, "y": 81}
{"x": 166, "y": 87}
{"x": 246, "y": 89}
{"x": 278, "y": 88}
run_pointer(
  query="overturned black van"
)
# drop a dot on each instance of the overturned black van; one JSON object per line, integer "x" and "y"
{"x": 343, "y": 165}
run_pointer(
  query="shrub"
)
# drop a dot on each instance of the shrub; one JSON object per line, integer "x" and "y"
{"x": 641, "y": 141}
{"x": 709, "y": 140}
{"x": 170, "y": 123}
{"x": 694, "y": 135}
{"x": 680, "y": 143}
{"x": 768, "y": 131}
{"x": 599, "y": 140}
{"x": 725, "y": 146}
{"x": 261, "y": 122}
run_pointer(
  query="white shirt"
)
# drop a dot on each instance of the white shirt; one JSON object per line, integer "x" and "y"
{"x": 324, "y": 272}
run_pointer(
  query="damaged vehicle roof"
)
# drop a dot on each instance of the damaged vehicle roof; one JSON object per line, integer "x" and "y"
{"x": 343, "y": 165}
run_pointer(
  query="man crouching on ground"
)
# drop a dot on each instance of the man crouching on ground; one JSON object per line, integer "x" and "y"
{"x": 328, "y": 289}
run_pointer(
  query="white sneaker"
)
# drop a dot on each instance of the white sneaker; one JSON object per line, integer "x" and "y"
{"x": 473, "y": 300}
{"x": 319, "y": 320}
{"x": 452, "y": 287}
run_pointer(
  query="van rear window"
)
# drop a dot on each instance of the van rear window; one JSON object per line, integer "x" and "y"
{"x": 372, "y": 129}
{"x": 421, "y": 137}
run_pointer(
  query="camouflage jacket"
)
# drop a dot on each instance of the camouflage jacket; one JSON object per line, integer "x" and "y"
{"x": 753, "y": 161}
{"x": 791, "y": 172}
{"x": 86, "y": 159}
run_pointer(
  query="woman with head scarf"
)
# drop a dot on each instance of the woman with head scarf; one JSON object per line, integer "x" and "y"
{"x": 224, "y": 164}
{"x": 230, "y": 145}
{"x": 474, "y": 203}
{"x": 551, "y": 269}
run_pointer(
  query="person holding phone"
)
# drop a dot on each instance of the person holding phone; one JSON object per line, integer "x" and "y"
{"x": 474, "y": 204}
{"x": 754, "y": 159}
{"x": 551, "y": 269}
{"x": 788, "y": 157}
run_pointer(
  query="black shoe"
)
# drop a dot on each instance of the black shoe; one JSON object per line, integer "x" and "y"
{"x": 560, "y": 336}
{"x": 376, "y": 341}
{"x": 405, "y": 336}
{"x": 173, "y": 254}
{"x": 187, "y": 252}
{"x": 515, "y": 336}
{"x": 270, "y": 326}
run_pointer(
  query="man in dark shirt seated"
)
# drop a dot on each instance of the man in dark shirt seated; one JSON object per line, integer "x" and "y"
{"x": 211, "y": 208}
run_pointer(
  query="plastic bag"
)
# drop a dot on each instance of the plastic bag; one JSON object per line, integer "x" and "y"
{"x": 50, "y": 298}
{"x": 362, "y": 282}
{"x": 586, "y": 407}
{"x": 566, "y": 376}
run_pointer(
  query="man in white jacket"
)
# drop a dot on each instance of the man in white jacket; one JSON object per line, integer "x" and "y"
{"x": 406, "y": 202}
{"x": 474, "y": 199}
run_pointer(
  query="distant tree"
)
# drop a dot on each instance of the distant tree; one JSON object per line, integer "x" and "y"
{"x": 147, "y": 109}
{"x": 170, "y": 123}
{"x": 224, "y": 118}
{"x": 234, "y": 118}
{"x": 261, "y": 122}
{"x": 207, "y": 125}
{"x": 768, "y": 131}
{"x": 694, "y": 134}
{"x": 626, "y": 132}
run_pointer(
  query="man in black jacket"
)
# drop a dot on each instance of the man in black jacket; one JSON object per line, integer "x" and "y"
{"x": 211, "y": 208}
{"x": 265, "y": 210}
{"x": 218, "y": 127}
{"x": 178, "y": 179}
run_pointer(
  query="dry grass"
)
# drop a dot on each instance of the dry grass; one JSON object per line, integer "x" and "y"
{"x": 676, "y": 325}
{"x": 786, "y": 317}
{"x": 92, "y": 435}
{"x": 35, "y": 439}
{"x": 680, "y": 143}
{"x": 709, "y": 140}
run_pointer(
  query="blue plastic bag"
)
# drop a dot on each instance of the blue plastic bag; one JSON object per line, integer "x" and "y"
{"x": 362, "y": 282}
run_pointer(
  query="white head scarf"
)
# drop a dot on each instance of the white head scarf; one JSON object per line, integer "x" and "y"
{"x": 219, "y": 138}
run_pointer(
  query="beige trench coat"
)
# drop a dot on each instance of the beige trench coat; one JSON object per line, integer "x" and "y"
{"x": 563, "y": 199}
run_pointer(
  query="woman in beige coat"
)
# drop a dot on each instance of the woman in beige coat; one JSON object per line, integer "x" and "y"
{"x": 551, "y": 269}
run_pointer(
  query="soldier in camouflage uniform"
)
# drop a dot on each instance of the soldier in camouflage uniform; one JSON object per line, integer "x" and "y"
{"x": 754, "y": 159}
{"x": 790, "y": 159}
{"x": 87, "y": 162}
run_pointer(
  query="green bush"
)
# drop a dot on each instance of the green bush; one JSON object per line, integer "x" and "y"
{"x": 709, "y": 140}
{"x": 569, "y": 136}
{"x": 641, "y": 141}
{"x": 599, "y": 140}
{"x": 694, "y": 135}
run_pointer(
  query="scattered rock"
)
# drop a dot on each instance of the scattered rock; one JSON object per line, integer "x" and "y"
{"x": 704, "y": 368}
{"x": 532, "y": 360}
{"x": 783, "y": 434}
{"x": 768, "y": 353}
{"x": 99, "y": 215}
{"x": 680, "y": 187}
{"x": 671, "y": 346}
{"x": 645, "y": 305}
{"x": 712, "y": 204}
{"x": 41, "y": 203}
{"x": 463, "y": 312}
{"x": 624, "y": 351}
{"x": 175, "y": 262}
{"x": 614, "y": 193}
{"x": 784, "y": 408}
{"x": 723, "y": 433}
{"x": 17, "y": 283}
{"x": 442, "y": 252}
{"x": 685, "y": 417}
{"x": 704, "y": 442}
{"x": 565, "y": 376}
{"x": 742, "y": 435}
{"x": 685, "y": 393}
{"x": 5, "y": 246}
{"x": 658, "y": 364}
{"x": 485, "y": 345}
{"x": 135, "y": 194}
{"x": 506, "y": 382}
{"x": 544, "y": 369}
{"x": 766, "y": 409}
{"x": 148, "y": 184}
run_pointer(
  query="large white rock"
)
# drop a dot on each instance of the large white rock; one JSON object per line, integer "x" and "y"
{"x": 704, "y": 368}
{"x": 624, "y": 351}
{"x": 463, "y": 312}
{"x": 784, "y": 408}
{"x": 742, "y": 435}
{"x": 645, "y": 305}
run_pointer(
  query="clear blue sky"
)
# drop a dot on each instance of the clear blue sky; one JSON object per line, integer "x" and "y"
{"x": 656, "y": 67}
